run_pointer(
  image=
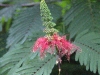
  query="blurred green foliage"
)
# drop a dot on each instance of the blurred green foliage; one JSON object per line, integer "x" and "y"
{"x": 3, "y": 49}
{"x": 78, "y": 19}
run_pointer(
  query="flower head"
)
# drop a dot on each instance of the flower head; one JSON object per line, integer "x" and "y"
{"x": 52, "y": 42}
{"x": 55, "y": 42}
{"x": 42, "y": 45}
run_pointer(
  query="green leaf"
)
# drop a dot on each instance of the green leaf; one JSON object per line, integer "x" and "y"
{"x": 27, "y": 23}
{"x": 35, "y": 66}
{"x": 7, "y": 12}
{"x": 0, "y": 27}
{"x": 3, "y": 38}
{"x": 89, "y": 42}
{"x": 84, "y": 14}
{"x": 20, "y": 60}
{"x": 15, "y": 55}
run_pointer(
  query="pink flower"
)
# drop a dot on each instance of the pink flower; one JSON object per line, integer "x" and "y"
{"x": 42, "y": 45}
{"x": 63, "y": 47}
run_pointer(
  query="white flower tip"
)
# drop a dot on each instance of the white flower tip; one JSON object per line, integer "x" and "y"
{"x": 33, "y": 51}
{"x": 56, "y": 62}
{"x": 59, "y": 70}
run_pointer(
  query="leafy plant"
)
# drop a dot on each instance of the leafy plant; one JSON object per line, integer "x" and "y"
{"x": 79, "y": 19}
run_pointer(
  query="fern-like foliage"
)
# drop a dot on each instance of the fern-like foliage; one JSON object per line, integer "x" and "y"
{"x": 12, "y": 57}
{"x": 83, "y": 14}
{"x": 27, "y": 23}
{"x": 35, "y": 66}
{"x": 82, "y": 22}
{"x": 20, "y": 60}
{"x": 3, "y": 50}
{"x": 89, "y": 42}
{"x": 26, "y": 27}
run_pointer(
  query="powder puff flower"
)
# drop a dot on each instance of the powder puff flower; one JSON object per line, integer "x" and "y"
{"x": 55, "y": 42}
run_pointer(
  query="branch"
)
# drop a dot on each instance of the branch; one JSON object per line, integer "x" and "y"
{"x": 30, "y": 4}
{"x": 23, "y": 5}
{"x": 4, "y": 5}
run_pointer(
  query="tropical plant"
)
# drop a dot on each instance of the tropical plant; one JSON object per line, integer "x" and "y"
{"x": 21, "y": 25}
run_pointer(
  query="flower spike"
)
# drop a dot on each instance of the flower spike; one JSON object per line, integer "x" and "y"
{"x": 47, "y": 19}
{"x": 52, "y": 42}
